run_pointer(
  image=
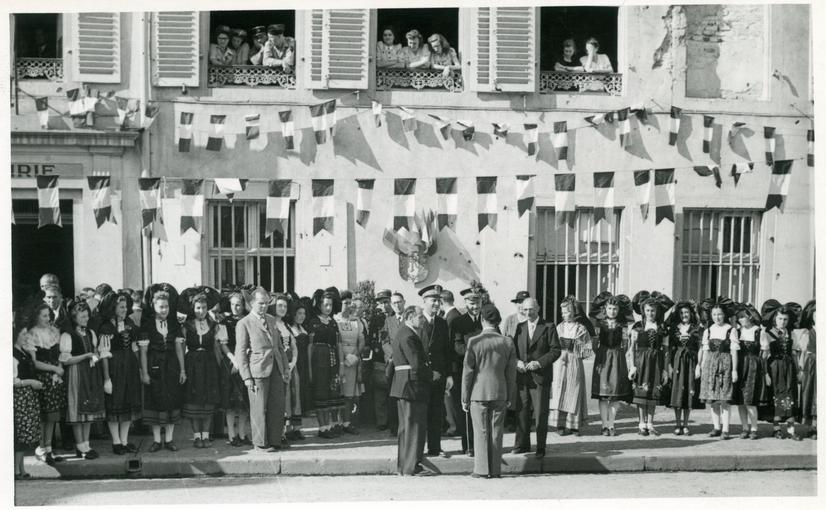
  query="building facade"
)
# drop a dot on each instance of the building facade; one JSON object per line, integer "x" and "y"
{"x": 746, "y": 64}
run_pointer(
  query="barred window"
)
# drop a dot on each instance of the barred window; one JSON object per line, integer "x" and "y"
{"x": 583, "y": 260}
{"x": 721, "y": 254}
{"x": 239, "y": 251}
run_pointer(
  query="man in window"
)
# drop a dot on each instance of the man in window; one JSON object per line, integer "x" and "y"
{"x": 278, "y": 51}
{"x": 259, "y": 39}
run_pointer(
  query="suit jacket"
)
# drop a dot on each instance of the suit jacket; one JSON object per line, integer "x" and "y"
{"x": 412, "y": 383}
{"x": 509, "y": 325}
{"x": 451, "y": 316}
{"x": 489, "y": 369}
{"x": 437, "y": 345}
{"x": 542, "y": 347}
{"x": 464, "y": 328}
{"x": 259, "y": 350}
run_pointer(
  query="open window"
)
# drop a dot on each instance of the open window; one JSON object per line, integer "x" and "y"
{"x": 240, "y": 54}
{"x": 38, "y": 47}
{"x": 564, "y": 41}
{"x": 404, "y": 64}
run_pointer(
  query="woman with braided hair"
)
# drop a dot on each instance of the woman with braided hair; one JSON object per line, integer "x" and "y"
{"x": 779, "y": 321}
{"x": 685, "y": 336}
{"x": 717, "y": 365}
{"x": 569, "y": 406}
{"x": 750, "y": 390}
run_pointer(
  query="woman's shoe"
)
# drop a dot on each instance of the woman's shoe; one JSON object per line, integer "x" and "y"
{"x": 154, "y": 447}
{"x": 796, "y": 437}
{"x": 612, "y": 432}
{"x": 91, "y": 455}
{"x": 653, "y": 431}
{"x": 678, "y": 431}
{"x": 118, "y": 449}
{"x": 198, "y": 442}
{"x": 643, "y": 432}
{"x": 725, "y": 435}
{"x": 778, "y": 434}
{"x": 235, "y": 442}
{"x": 686, "y": 431}
{"x": 325, "y": 434}
{"x": 744, "y": 434}
{"x": 350, "y": 429}
{"x": 753, "y": 434}
{"x": 171, "y": 446}
{"x": 206, "y": 443}
{"x": 23, "y": 476}
{"x": 565, "y": 432}
{"x": 130, "y": 448}
{"x": 715, "y": 433}
{"x": 246, "y": 441}
{"x": 605, "y": 431}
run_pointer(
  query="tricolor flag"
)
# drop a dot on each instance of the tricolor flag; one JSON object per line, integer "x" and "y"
{"x": 532, "y": 138}
{"x": 409, "y": 122}
{"x": 525, "y": 194}
{"x": 101, "y": 192}
{"x": 705, "y": 171}
{"x": 42, "y": 106}
{"x": 779, "y": 186}
{"x": 500, "y": 130}
{"x": 603, "y": 196}
{"x": 708, "y": 133}
{"x": 323, "y": 117}
{"x": 150, "y": 200}
{"x": 323, "y": 205}
{"x": 278, "y": 207}
{"x": 252, "y": 125}
{"x": 664, "y": 194}
{"x": 150, "y": 113}
{"x": 377, "y": 113}
{"x": 404, "y": 203}
{"x": 486, "y": 202}
{"x": 447, "y": 202}
{"x": 560, "y": 140}
{"x": 216, "y": 132}
{"x": 624, "y": 127}
{"x": 48, "y": 201}
{"x": 330, "y": 109}
{"x": 734, "y": 131}
{"x": 230, "y": 187}
{"x": 642, "y": 181}
{"x": 810, "y": 138}
{"x": 90, "y": 100}
{"x": 564, "y": 199}
{"x": 741, "y": 168}
{"x": 288, "y": 129}
{"x": 185, "y": 132}
{"x": 76, "y": 106}
{"x": 596, "y": 120}
{"x": 192, "y": 204}
{"x": 468, "y": 130}
{"x": 364, "y": 200}
{"x": 768, "y": 135}
{"x": 676, "y": 114}
{"x": 444, "y": 125}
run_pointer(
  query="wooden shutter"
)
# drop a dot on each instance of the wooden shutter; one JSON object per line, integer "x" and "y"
{"x": 96, "y": 47}
{"x": 338, "y": 44}
{"x": 175, "y": 51}
{"x": 504, "y": 49}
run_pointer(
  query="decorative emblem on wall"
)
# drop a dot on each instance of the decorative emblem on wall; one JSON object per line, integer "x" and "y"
{"x": 414, "y": 246}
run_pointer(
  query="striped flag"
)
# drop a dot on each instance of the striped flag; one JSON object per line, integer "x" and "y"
{"x": 603, "y": 196}
{"x": 708, "y": 133}
{"x": 486, "y": 202}
{"x": 150, "y": 200}
{"x": 444, "y": 125}
{"x": 779, "y": 186}
{"x": 468, "y": 131}
{"x": 409, "y": 122}
{"x": 42, "y": 106}
{"x": 741, "y": 168}
{"x": 364, "y": 200}
{"x": 447, "y": 202}
{"x": 192, "y": 204}
{"x": 101, "y": 192}
{"x": 525, "y": 194}
{"x": 288, "y": 129}
{"x": 322, "y": 117}
{"x": 48, "y": 201}
{"x": 560, "y": 140}
{"x": 216, "y": 132}
{"x": 532, "y": 138}
{"x": 253, "y": 126}
{"x": 330, "y": 110}
{"x": 596, "y": 120}
{"x": 185, "y": 131}
{"x": 642, "y": 181}
{"x": 676, "y": 113}
{"x": 76, "y": 106}
{"x": 404, "y": 203}
{"x": 564, "y": 199}
{"x": 810, "y": 156}
{"x": 664, "y": 194}
{"x": 230, "y": 187}
{"x": 705, "y": 171}
{"x": 624, "y": 127}
{"x": 500, "y": 130}
{"x": 278, "y": 207}
{"x": 768, "y": 136}
{"x": 323, "y": 205}
{"x": 377, "y": 113}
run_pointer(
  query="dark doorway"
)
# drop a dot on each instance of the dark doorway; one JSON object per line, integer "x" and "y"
{"x": 579, "y": 24}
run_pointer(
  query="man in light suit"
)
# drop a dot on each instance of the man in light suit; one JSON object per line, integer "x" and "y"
{"x": 488, "y": 389}
{"x": 263, "y": 365}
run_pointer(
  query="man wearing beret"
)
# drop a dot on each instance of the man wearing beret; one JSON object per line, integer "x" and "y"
{"x": 510, "y": 322}
{"x": 488, "y": 389}
{"x": 465, "y": 327}
{"x": 436, "y": 341}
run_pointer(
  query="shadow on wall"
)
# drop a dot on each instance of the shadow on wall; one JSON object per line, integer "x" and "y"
{"x": 453, "y": 258}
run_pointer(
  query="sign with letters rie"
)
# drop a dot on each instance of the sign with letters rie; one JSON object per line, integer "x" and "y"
{"x": 32, "y": 170}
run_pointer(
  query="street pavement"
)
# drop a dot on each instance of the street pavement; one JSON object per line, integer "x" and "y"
{"x": 394, "y": 488}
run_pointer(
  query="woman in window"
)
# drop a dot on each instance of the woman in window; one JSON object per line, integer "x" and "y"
{"x": 609, "y": 383}
{"x": 442, "y": 56}
{"x": 415, "y": 55}
{"x": 351, "y": 334}
{"x": 717, "y": 364}
{"x": 325, "y": 362}
{"x": 220, "y": 54}
{"x": 685, "y": 337}
{"x": 779, "y": 321}
{"x": 569, "y": 406}
{"x": 808, "y": 366}
{"x": 239, "y": 45}
{"x": 234, "y": 395}
{"x": 567, "y": 62}
{"x": 593, "y": 61}
{"x": 388, "y": 52}
{"x": 750, "y": 390}
{"x": 26, "y": 402}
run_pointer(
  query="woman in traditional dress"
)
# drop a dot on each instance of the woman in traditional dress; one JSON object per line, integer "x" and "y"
{"x": 121, "y": 372}
{"x": 292, "y": 404}
{"x": 609, "y": 383}
{"x": 751, "y": 363}
{"x": 324, "y": 363}
{"x": 161, "y": 345}
{"x": 569, "y": 405}
{"x": 685, "y": 338}
{"x": 351, "y": 331}
{"x": 26, "y": 402}
{"x": 298, "y": 320}
{"x": 808, "y": 366}
{"x": 717, "y": 364}
{"x": 234, "y": 396}
{"x": 84, "y": 378}
{"x": 779, "y": 320}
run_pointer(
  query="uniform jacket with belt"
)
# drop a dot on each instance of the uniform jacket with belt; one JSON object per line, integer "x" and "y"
{"x": 543, "y": 347}
{"x": 489, "y": 369}
{"x": 412, "y": 377}
{"x": 258, "y": 348}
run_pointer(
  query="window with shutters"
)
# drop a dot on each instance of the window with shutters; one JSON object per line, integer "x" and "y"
{"x": 565, "y": 63}
{"x": 503, "y": 56}
{"x": 38, "y": 47}
{"x": 429, "y": 61}
{"x": 243, "y": 52}
{"x": 175, "y": 49}
{"x": 96, "y": 48}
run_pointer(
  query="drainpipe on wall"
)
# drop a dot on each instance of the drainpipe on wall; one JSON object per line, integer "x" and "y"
{"x": 144, "y": 90}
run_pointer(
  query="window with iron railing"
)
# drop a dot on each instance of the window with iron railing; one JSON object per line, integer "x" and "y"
{"x": 580, "y": 260}
{"x": 38, "y": 47}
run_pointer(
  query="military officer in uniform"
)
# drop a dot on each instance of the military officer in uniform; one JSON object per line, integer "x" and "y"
{"x": 437, "y": 346}
{"x": 464, "y": 327}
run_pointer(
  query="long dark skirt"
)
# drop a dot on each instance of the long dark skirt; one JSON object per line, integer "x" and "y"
{"x": 163, "y": 398}
{"x": 305, "y": 392}
{"x": 783, "y": 373}
{"x": 749, "y": 389}
{"x": 84, "y": 390}
{"x": 124, "y": 404}
{"x": 685, "y": 388}
{"x": 202, "y": 392}
{"x": 610, "y": 377}
{"x": 648, "y": 379}
{"x": 808, "y": 388}
{"x": 326, "y": 384}
{"x": 52, "y": 397}
{"x": 234, "y": 395}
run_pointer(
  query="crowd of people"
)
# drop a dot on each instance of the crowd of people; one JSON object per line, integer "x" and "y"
{"x": 265, "y": 360}
{"x": 435, "y": 53}
{"x": 270, "y": 47}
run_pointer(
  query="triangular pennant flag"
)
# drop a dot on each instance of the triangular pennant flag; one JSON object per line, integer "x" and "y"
{"x": 48, "y": 201}
{"x": 101, "y": 193}
{"x": 708, "y": 133}
{"x": 560, "y": 140}
{"x": 252, "y": 127}
{"x": 564, "y": 199}
{"x": 324, "y": 210}
{"x": 318, "y": 118}
{"x": 674, "y": 128}
{"x": 734, "y": 131}
{"x": 468, "y": 129}
{"x": 602, "y": 118}
{"x": 192, "y": 204}
{"x": 532, "y": 138}
{"x": 664, "y": 194}
{"x": 810, "y": 156}
{"x": 642, "y": 181}
{"x": 624, "y": 128}
{"x": 150, "y": 200}
{"x": 500, "y": 130}
{"x": 364, "y": 200}
{"x": 486, "y": 201}
{"x": 525, "y": 194}
{"x": 444, "y": 125}
{"x": 278, "y": 207}
{"x": 76, "y": 108}
{"x": 288, "y": 129}
{"x": 42, "y": 106}
{"x": 216, "y": 132}
{"x": 741, "y": 168}
{"x": 447, "y": 202}
{"x": 779, "y": 186}
{"x": 603, "y": 196}
{"x": 230, "y": 186}
{"x": 768, "y": 135}
{"x": 404, "y": 203}
{"x": 377, "y": 112}
{"x": 705, "y": 171}
{"x": 330, "y": 111}
{"x": 185, "y": 131}
{"x": 409, "y": 122}
{"x": 150, "y": 113}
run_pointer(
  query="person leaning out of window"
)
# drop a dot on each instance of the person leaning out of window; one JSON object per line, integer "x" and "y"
{"x": 388, "y": 51}
{"x": 442, "y": 56}
{"x": 593, "y": 61}
{"x": 278, "y": 51}
{"x": 238, "y": 44}
{"x": 567, "y": 62}
{"x": 415, "y": 55}
{"x": 220, "y": 54}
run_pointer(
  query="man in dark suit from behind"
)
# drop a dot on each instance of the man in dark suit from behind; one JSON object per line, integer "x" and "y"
{"x": 449, "y": 313}
{"x": 464, "y": 327}
{"x": 436, "y": 340}
{"x": 537, "y": 347}
{"x": 488, "y": 389}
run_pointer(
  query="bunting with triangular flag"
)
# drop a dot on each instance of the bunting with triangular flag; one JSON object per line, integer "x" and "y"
{"x": 642, "y": 181}
{"x": 705, "y": 171}
{"x": 185, "y": 131}
{"x": 322, "y": 119}
{"x": 741, "y": 168}
{"x": 779, "y": 186}
{"x": 444, "y": 125}
{"x": 252, "y": 130}
{"x": 364, "y": 200}
{"x": 640, "y": 111}
{"x": 287, "y": 129}
{"x": 708, "y": 133}
{"x": 42, "y": 106}
{"x": 101, "y": 194}
{"x": 810, "y": 156}
{"x": 525, "y": 194}
{"x": 76, "y": 107}
{"x": 500, "y": 130}
{"x": 150, "y": 200}
{"x": 532, "y": 138}
{"x": 674, "y": 128}
{"x": 278, "y": 207}
{"x": 323, "y": 205}
{"x": 48, "y": 201}
{"x": 150, "y": 113}
{"x": 216, "y": 132}
{"x": 229, "y": 187}
{"x": 603, "y": 196}
{"x": 468, "y": 129}
{"x": 560, "y": 140}
{"x": 486, "y": 201}
{"x": 565, "y": 199}
{"x": 404, "y": 203}
{"x": 447, "y": 202}
{"x": 192, "y": 204}
{"x": 409, "y": 122}
{"x": 768, "y": 136}
{"x": 377, "y": 112}
{"x": 664, "y": 194}
{"x": 624, "y": 128}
